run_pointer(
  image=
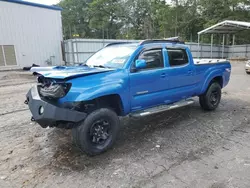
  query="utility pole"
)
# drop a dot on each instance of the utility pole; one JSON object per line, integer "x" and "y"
{"x": 103, "y": 31}
{"x": 176, "y": 16}
{"x": 70, "y": 31}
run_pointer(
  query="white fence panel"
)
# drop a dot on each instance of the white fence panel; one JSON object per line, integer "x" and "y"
{"x": 79, "y": 50}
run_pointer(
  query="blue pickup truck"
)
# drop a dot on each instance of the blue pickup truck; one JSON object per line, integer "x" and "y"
{"x": 136, "y": 79}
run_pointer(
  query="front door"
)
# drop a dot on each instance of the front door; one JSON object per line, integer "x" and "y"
{"x": 146, "y": 85}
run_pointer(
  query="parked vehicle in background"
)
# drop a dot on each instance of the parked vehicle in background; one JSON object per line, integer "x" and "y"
{"x": 247, "y": 67}
{"x": 136, "y": 79}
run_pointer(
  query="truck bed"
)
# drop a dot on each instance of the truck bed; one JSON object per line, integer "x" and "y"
{"x": 208, "y": 61}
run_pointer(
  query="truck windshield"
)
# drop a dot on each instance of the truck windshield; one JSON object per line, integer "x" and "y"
{"x": 111, "y": 57}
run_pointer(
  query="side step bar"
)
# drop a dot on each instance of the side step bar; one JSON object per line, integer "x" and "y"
{"x": 162, "y": 108}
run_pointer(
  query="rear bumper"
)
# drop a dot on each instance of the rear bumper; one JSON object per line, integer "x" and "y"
{"x": 47, "y": 114}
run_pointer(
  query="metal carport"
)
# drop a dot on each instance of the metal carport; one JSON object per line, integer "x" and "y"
{"x": 225, "y": 27}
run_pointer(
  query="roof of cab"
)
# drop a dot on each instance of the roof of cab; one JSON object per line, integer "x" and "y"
{"x": 148, "y": 45}
{"x": 169, "y": 41}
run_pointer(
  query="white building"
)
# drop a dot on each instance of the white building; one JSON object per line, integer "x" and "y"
{"x": 29, "y": 33}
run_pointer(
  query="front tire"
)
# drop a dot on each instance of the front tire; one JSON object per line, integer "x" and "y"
{"x": 98, "y": 132}
{"x": 211, "y": 99}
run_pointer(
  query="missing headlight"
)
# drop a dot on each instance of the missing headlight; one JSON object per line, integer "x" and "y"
{"x": 55, "y": 91}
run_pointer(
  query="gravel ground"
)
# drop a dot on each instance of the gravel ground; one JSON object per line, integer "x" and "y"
{"x": 186, "y": 147}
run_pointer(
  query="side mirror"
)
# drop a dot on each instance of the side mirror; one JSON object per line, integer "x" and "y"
{"x": 140, "y": 64}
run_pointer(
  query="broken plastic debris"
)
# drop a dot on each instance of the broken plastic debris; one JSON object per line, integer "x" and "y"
{"x": 3, "y": 177}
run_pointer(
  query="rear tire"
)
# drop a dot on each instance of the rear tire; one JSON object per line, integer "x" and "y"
{"x": 98, "y": 132}
{"x": 211, "y": 99}
{"x": 247, "y": 72}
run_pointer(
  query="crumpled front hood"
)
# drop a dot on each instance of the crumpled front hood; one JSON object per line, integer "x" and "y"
{"x": 70, "y": 72}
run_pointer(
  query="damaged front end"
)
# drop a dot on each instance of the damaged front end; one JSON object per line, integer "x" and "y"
{"x": 55, "y": 91}
{"x": 51, "y": 88}
{"x": 45, "y": 109}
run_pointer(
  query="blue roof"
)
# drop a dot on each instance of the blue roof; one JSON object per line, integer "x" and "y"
{"x": 33, "y": 4}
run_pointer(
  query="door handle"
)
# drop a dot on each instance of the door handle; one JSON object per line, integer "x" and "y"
{"x": 163, "y": 75}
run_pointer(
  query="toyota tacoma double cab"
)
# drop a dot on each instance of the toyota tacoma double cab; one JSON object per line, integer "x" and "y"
{"x": 135, "y": 79}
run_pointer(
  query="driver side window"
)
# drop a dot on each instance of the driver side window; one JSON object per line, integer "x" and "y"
{"x": 153, "y": 58}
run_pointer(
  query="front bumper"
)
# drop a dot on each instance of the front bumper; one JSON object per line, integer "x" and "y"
{"x": 51, "y": 115}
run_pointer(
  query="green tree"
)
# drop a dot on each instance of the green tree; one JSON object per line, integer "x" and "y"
{"x": 141, "y": 19}
{"x": 75, "y": 18}
{"x": 105, "y": 19}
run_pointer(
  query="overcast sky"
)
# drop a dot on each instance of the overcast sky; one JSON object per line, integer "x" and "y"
{"x": 46, "y": 2}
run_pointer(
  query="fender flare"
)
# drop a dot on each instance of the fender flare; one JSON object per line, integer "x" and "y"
{"x": 209, "y": 78}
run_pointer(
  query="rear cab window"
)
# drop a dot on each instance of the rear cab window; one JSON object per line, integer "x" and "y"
{"x": 177, "y": 57}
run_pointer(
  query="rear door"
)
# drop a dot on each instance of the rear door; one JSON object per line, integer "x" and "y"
{"x": 181, "y": 75}
{"x": 146, "y": 85}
